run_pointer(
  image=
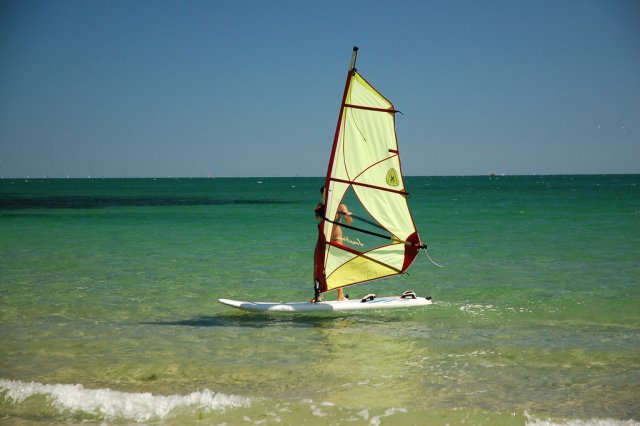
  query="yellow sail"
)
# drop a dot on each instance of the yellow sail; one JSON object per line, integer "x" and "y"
{"x": 366, "y": 230}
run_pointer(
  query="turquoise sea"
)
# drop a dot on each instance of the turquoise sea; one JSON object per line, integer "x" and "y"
{"x": 109, "y": 312}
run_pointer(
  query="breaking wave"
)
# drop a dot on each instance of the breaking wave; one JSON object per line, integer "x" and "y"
{"x": 110, "y": 404}
{"x": 532, "y": 421}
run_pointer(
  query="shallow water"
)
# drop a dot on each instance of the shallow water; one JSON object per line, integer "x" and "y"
{"x": 109, "y": 308}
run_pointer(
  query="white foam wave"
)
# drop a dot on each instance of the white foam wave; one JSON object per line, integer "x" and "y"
{"x": 112, "y": 404}
{"x": 531, "y": 421}
{"x": 591, "y": 422}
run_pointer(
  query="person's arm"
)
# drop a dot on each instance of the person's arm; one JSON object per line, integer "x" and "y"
{"x": 346, "y": 213}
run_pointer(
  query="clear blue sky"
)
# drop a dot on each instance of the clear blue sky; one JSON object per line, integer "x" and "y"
{"x": 252, "y": 88}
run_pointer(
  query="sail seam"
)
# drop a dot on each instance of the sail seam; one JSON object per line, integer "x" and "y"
{"x": 355, "y": 123}
{"x": 396, "y": 154}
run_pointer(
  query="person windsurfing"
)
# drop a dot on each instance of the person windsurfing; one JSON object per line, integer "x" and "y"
{"x": 336, "y": 233}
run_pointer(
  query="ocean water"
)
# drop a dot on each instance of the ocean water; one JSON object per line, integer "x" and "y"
{"x": 109, "y": 313}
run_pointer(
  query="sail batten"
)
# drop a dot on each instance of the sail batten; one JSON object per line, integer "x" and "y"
{"x": 364, "y": 182}
{"x": 391, "y": 111}
{"x": 353, "y": 182}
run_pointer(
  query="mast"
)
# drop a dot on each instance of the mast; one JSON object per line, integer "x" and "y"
{"x": 319, "y": 277}
{"x": 352, "y": 69}
{"x": 354, "y": 56}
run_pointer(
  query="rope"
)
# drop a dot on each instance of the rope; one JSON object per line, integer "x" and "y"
{"x": 427, "y": 253}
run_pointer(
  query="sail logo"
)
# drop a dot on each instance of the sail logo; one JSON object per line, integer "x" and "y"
{"x": 392, "y": 177}
{"x": 355, "y": 242}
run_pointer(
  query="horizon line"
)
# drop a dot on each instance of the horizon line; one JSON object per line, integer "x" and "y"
{"x": 89, "y": 177}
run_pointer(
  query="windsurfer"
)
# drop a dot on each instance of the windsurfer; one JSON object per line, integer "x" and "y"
{"x": 336, "y": 231}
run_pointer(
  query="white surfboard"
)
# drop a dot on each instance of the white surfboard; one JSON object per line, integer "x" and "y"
{"x": 392, "y": 302}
